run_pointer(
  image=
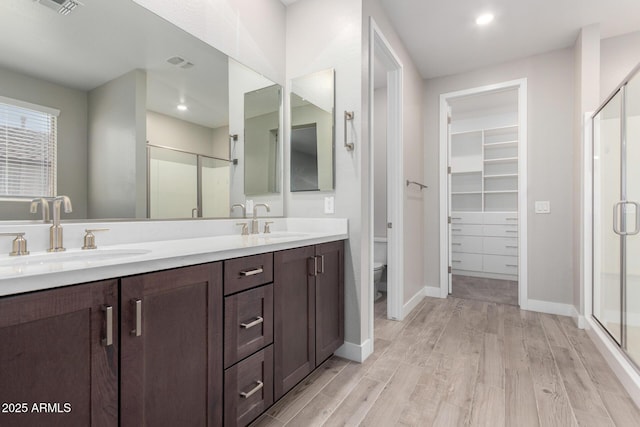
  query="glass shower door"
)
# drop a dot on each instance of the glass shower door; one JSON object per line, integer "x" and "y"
{"x": 631, "y": 290}
{"x": 607, "y": 245}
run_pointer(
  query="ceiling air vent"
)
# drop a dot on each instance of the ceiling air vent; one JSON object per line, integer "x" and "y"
{"x": 63, "y": 7}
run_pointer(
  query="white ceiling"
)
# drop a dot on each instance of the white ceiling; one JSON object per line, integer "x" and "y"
{"x": 443, "y": 39}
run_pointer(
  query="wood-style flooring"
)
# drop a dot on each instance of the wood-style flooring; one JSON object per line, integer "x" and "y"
{"x": 456, "y": 362}
{"x": 490, "y": 290}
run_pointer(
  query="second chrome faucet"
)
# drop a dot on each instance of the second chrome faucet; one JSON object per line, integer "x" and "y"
{"x": 55, "y": 231}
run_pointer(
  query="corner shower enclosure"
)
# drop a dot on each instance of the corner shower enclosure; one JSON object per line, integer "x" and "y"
{"x": 616, "y": 216}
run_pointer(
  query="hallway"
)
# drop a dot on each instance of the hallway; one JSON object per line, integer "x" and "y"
{"x": 462, "y": 362}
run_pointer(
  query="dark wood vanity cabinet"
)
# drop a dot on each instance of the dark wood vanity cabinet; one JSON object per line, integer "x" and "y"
{"x": 171, "y": 355}
{"x": 206, "y": 345}
{"x": 59, "y": 357}
{"x": 308, "y": 310}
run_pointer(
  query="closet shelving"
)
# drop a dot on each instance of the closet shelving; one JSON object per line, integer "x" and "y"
{"x": 484, "y": 170}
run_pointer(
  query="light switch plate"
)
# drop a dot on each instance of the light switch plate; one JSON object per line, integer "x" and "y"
{"x": 543, "y": 207}
{"x": 329, "y": 206}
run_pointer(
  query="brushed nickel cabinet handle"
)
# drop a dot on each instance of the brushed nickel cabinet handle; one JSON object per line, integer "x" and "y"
{"x": 312, "y": 266}
{"x": 258, "y": 320}
{"x": 253, "y": 272}
{"x": 248, "y": 394}
{"x": 108, "y": 339}
{"x": 321, "y": 269}
{"x": 137, "y": 304}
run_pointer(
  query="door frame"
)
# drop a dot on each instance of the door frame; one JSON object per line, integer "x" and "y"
{"x": 378, "y": 45}
{"x": 521, "y": 86}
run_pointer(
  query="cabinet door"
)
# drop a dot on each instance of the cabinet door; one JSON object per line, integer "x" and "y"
{"x": 171, "y": 358}
{"x": 52, "y": 352}
{"x": 329, "y": 299}
{"x": 294, "y": 317}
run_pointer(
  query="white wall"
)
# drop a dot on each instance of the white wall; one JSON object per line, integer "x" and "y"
{"x": 72, "y": 138}
{"x": 413, "y": 137}
{"x": 550, "y": 163}
{"x": 325, "y": 34}
{"x": 117, "y": 148}
{"x": 618, "y": 56}
{"x": 252, "y": 32}
{"x": 586, "y": 99}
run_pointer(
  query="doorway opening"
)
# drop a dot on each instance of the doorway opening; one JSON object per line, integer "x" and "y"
{"x": 483, "y": 237}
{"x": 386, "y": 171}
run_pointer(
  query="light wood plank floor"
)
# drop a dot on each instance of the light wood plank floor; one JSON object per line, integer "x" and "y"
{"x": 457, "y": 362}
{"x": 490, "y": 290}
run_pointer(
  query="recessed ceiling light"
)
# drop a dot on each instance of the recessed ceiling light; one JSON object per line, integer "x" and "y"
{"x": 484, "y": 19}
{"x": 182, "y": 107}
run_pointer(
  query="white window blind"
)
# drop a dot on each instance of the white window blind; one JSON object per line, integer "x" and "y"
{"x": 28, "y": 139}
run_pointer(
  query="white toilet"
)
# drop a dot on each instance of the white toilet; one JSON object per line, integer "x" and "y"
{"x": 378, "y": 269}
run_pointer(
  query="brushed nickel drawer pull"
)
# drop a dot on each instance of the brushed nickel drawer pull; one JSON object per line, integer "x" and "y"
{"x": 258, "y": 320}
{"x": 248, "y": 394}
{"x": 137, "y": 331}
{"x": 253, "y": 272}
{"x": 108, "y": 339}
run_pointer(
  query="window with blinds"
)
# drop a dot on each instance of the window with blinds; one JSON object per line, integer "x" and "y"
{"x": 28, "y": 139}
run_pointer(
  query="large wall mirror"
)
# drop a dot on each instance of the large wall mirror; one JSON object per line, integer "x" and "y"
{"x": 313, "y": 132}
{"x": 146, "y": 112}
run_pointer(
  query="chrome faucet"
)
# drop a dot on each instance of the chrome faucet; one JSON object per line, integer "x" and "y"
{"x": 45, "y": 208}
{"x": 241, "y": 206}
{"x": 55, "y": 231}
{"x": 254, "y": 221}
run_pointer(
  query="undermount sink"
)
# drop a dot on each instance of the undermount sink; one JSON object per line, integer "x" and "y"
{"x": 87, "y": 257}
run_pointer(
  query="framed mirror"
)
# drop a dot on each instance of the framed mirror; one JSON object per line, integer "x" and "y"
{"x": 313, "y": 132}
{"x": 145, "y": 111}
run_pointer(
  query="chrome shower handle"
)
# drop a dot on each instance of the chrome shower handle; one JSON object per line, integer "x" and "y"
{"x": 617, "y": 214}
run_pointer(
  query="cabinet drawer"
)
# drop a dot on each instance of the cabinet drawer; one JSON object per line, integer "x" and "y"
{"x": 510, "y": 218}
{"x": 500, "y": 246}
{"x": 248, "y": 388}
{"x": 469, "y": 244}
{"x": 248, "y": 272}
{"x": 471, "y": 262}
{"x": 500, "y": 264}
{"x": 248, "y": 323}
{"x": 500, "y": 230}
{"x": 466, "y": 218}
{"x": 466, "y": 230}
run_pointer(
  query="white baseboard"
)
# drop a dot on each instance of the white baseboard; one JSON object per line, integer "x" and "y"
{"x": 412, "y": 303}
{"x": 432, "y": 291}
{"x": 550, "y": 307}
{"x": 356, "y": 352}
{"x": 578, "y": 318}
{"x": 624, "y": 370}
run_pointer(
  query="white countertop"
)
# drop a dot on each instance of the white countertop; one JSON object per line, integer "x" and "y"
{"x": 42, "y": 270}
